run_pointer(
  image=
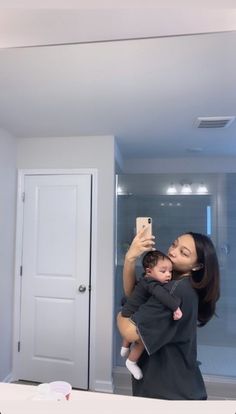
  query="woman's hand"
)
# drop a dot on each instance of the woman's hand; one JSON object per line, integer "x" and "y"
{"x": 139, "y": 245}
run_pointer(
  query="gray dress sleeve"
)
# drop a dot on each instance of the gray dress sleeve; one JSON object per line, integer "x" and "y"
{"x": 139, "y": 296}
{"x": 165, "y": 296}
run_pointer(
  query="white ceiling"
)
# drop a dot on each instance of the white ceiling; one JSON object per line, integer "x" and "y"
{"x": 147, "y": 92}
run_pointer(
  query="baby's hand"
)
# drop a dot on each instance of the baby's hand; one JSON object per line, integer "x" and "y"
{"x": 177, "y": 314}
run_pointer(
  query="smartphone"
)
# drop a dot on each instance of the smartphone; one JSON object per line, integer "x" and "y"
{"x": 142, "y": 222}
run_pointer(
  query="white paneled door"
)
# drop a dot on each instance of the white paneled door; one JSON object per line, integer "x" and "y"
{"x": 54, "y": 316}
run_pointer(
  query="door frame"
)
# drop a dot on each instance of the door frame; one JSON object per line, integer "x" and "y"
{"x": 22, "y": 173}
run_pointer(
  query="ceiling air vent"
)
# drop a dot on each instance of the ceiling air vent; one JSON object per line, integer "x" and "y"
{"x": 214, "y": 121}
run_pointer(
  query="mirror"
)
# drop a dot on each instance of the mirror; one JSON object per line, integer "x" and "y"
{"x": 133, "y": 89}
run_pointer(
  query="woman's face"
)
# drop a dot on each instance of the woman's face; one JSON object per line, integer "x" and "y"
{"x": 183, "y": 254}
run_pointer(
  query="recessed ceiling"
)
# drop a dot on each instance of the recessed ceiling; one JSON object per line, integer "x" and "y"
{"x": 146, "y": 92}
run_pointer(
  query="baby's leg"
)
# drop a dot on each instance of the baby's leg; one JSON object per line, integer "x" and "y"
{"x": 136, "y": 351}
{"x": 134, "y": 355}
{"x": 125, "y": 343}
{"x": 125, "y": 348}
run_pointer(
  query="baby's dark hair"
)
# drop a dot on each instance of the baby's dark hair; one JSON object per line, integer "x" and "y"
{"x": 150, "y": 259}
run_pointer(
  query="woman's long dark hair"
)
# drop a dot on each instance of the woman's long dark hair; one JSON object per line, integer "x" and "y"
{"x": 206, "y": 279}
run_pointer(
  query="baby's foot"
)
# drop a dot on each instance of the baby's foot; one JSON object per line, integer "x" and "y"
{"x": 124, "y": 351}
{"x": 134, "y": 369}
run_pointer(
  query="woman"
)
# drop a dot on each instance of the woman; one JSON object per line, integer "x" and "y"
{"x": 169, "y": 364}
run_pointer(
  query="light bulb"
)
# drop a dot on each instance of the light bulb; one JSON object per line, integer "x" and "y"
{"x": 186, "y": 189}
{"x": 202, "y": 189}
{"x": 171, "y": 189}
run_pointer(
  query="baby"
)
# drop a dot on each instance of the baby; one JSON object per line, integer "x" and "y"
{"x": 157, "y": 272}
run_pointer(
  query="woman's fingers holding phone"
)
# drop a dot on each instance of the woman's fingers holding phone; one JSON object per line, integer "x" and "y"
{"x": 143, "y": 237}
{"x": 142, "y": 232}
{"x": 140, "y": 244}
{"x": 148, "y": 242}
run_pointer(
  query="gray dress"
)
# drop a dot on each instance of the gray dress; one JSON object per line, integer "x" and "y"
{"x": 171, "y": 370}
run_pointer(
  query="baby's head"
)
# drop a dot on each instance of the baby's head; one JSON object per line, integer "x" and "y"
{"x": 157, "y": 265}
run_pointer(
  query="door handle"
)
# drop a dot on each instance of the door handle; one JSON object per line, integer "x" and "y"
{"x": 81, "y": 288}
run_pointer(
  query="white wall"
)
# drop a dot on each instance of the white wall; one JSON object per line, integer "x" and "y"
{"x": 119, "y": 160}
{"x": 7, "y": 234}
{"x": 97, "y": 153}
{"x": 178, "y": 165}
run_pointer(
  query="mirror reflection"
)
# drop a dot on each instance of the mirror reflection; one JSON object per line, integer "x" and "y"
{"x": 60, "y": 108}
{"x": 211, "y": 213}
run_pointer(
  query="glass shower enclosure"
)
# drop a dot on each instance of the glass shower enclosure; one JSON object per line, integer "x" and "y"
{"x": 179, "y": 203}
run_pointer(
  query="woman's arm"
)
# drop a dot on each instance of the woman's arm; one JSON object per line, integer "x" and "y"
{"x": 139, "y": 245}
{"x": 129, "y": 275}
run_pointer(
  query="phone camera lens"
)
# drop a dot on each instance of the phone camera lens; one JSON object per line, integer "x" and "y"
{"x": 149, "y": 220}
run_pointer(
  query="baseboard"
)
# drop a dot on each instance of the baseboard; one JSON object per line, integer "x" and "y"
{"x": 122, "y": 381}
{"x": 104, "y": 386}
{"x": 100, "y": 386}
{"x": 219, "y": 379}
{"x": 8, "y": 378}
{"x": 218, "y": 387}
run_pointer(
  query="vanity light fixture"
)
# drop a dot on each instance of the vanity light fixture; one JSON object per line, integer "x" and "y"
{"x": 171, "y": 189}
{"x": 119, "y": 190}
{"x": 186, "y": 189}
{"x": 202, "y": 189}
